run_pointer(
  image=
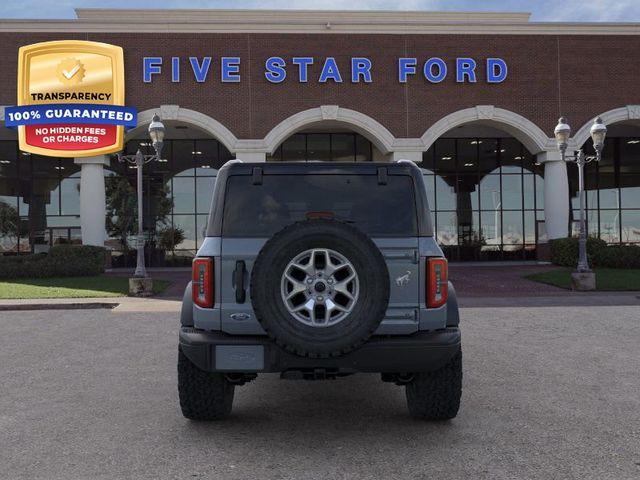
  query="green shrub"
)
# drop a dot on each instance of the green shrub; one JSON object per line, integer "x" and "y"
{"x": 564, "y": 252}
{"x": 61, "y": 261}
{"x": 618, "y": 256}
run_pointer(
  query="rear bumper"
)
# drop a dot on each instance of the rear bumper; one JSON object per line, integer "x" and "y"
{"x": 219, "y": 352}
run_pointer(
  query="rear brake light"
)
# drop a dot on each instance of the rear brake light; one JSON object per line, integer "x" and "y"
{"x": 202, "y": 282}
{"x": 437, "y": 282}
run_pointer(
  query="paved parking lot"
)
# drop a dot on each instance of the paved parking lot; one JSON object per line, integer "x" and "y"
{"x": 549, "y": 392}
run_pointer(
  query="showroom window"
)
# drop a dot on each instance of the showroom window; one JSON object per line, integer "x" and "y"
{"x": 327, "y": 147}
{"x": 486, "y": 197}
{"x": 612, "y": 192}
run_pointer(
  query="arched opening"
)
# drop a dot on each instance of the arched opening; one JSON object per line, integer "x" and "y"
{"x": 328, "y": 142}
{"x": 486, "y": 193}
{"x": 612, "y": 186}
{"x": 39, "y": 199}
{"x": 177, "y": 194}
{"x": 328, "y": 133}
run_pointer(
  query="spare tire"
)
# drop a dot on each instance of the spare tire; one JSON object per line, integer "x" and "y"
{"x": 320, "y": 288}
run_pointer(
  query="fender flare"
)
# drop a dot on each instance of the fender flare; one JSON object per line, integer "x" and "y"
{"x": 186, "y": 312}
{"x": 453, "y": 313}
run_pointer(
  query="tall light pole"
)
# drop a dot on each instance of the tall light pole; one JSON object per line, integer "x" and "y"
{"x": 156, "y": 133}
{"x": 562, "y": 133}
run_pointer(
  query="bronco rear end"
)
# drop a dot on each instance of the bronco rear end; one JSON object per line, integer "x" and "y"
{"x": 319, "y": 270}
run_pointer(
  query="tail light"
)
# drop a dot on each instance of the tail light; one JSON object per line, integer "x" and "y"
{"x": 437, "y": 282}
{"x": 202, "y": 282}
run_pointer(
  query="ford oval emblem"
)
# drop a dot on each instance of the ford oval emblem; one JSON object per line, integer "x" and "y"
{"x": 240, "y": 316}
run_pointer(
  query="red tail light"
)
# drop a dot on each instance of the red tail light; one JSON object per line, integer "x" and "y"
{"x": 202, "y": 282}
{"x": 437, "y": 282}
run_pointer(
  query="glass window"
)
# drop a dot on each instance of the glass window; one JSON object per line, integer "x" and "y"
{"x": 427, "y": 159}
{"x": 468, "y": 227}
{"x": 488, "y": 156}
{"x": 607, "y": 186}
{"x": 429, "y": 183}
{"x": 511, "y": 155}
{"x": 528, "y": 191}
{"x": 530, "y": 227}
{"x": 70, "y": 196}
{"x": 201, "y": 224}
{"x": 182, "y": 157}
{"x": 447, "y": 228}
{"x": 204, "y": 189}
{"x": 44, "y": 166}
{"x": 490, "y": 198}
{"x": 294, "y": 148}
{"x": 8, "y": 159}
{"x": 512, "y": 228}
{"x": 629, "y": 155}
{"x": 343, "y": 147}
{"x": 183, "y": 195}
{"x": 188, "y": 225}
{"x": 631, "y": 226}
{"x": 68, "y": 167}
{"x": 319, "y": 147}
{"x": 609, "y": 225}
{"x": 539, "y": 191}
{"x": 68, "y": 221}
{"x": 9, "y": 190}
{"x": 445, "y": 194}
{"x": 364, "y": 149}
{"x": 445, "y": 162}
{"x": 282, "y": 199}
{"x": 467, "y": 192}
{"x": 491, "y": 224}
{"x": 206, "y": 153}
{"x": 9, "y": 223}
{"x": 512, "y": 192}
{"x": 630, "y": 190}
{"x": 467, "y": 154}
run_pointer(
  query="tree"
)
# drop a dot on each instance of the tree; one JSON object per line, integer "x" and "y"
{"x": 170, "y": 237}
{"x": 122, "y": 208}
{"x": 9, "y": 224}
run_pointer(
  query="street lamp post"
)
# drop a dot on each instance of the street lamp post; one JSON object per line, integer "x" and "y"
{"x": 583, "y": 278}
{"x": 156, "y": 133}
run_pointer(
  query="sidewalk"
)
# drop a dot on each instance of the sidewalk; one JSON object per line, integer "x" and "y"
{"x": 116, "y": 304}
{"x": 477, "y": 285}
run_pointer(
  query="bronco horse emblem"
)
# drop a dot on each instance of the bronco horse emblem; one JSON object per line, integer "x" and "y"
{"x": 404, "y": 279}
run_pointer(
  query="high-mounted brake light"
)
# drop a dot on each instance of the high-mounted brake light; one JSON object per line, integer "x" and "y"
{"x": 202, "y": 282}
{"x": 437, "y": 282}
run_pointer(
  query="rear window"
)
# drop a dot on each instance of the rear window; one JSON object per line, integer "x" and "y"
{"x": 262, "y": 210}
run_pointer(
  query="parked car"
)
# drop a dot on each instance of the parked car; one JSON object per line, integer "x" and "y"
{"x": 316, "y": 271}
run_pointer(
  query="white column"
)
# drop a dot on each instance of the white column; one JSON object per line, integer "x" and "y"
{"x": 414, "y": 156}
{"x": 92, "y": 199}
{"x": 556, "y": 194}
{"x": 251, "y": 156}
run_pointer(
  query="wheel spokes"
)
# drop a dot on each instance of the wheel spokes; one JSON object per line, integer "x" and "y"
{"x": 319, "y": 287}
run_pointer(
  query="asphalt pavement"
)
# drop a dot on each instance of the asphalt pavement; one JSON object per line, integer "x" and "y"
{"x": 549, "y": 392}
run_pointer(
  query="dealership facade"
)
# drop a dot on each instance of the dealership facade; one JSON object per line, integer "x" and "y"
{"x": 473, "y": 98}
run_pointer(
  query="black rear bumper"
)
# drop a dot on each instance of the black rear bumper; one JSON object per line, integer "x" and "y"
{"x": 218, "y": 352}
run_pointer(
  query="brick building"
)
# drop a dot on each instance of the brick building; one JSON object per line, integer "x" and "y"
{"x": 472, "y": 97}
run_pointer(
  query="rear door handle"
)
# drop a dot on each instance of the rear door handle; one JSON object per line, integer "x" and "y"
{"x": 238, "y": 281}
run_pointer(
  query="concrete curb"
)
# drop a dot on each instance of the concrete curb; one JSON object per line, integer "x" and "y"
{"x": 10, "y": 307}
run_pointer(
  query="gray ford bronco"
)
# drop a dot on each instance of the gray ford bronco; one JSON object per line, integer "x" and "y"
{"x": 317, "y": 271}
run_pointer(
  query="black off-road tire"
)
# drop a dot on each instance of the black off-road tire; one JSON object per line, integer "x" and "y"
{"x": 436, "y": 395}
{"x": 203, "y": 395}
{"x": 295, "y": 336}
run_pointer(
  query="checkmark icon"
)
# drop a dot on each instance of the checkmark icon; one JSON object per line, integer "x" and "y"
{"x": 71, "y": 73}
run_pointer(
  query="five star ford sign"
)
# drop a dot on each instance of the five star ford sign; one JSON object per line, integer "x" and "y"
{"x": 70, "y": 99}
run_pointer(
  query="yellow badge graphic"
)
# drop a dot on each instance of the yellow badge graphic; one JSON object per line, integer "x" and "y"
{"x": 71, "y": 99}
